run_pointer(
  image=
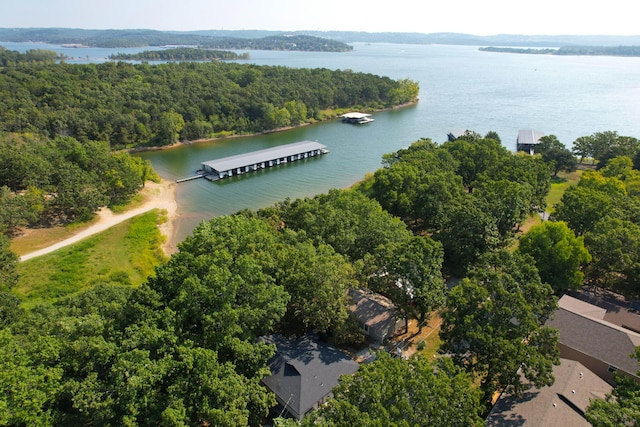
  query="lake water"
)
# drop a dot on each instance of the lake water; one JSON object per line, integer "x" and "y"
{"x": 461, "y": 88}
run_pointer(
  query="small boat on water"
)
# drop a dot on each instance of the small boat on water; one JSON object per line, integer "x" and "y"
{"x": 357, "y": 118}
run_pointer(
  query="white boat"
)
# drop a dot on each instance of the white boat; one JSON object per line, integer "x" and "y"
{"x": 357, "y": 118}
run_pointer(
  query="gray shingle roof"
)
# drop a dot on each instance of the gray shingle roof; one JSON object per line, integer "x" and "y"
{"x": 375, "y": 311}
{"x": 562, "y": 404}
{"x": 597, "y": 338}
{"x": 304, "y": 371}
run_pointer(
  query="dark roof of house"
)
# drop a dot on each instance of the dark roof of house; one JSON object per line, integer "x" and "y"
{"x": 617, "y": 310}
{"x": 304, "y": 371}
{"x": 372, "y": 309}
{"x": 597, "y": 338}
{"x": 561, "y": 404}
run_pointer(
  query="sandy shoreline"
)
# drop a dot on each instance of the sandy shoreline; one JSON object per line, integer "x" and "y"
{"x": 155, "y": 195}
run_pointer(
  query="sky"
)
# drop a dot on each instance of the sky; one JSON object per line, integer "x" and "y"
{"x": 478, "y": 17}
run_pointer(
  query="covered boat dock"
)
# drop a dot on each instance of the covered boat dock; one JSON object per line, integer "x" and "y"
{"x": 527, "y": 140}
{"x": 357, "y": 118}
{"x": 261, "y": 159}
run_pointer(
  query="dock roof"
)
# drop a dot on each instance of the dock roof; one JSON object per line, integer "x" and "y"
{"x": 529, "y": 137}
{"x": 255, "y": 157}
{"x": 355, "y": 115}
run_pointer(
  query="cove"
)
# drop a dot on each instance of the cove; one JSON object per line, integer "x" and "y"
{"x": 355, "y": 150}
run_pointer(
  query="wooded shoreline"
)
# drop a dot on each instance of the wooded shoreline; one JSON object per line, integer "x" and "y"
{"x": 265, "y": 132}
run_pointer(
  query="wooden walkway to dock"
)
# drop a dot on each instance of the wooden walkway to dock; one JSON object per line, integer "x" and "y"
{"x": 199, "y": 174}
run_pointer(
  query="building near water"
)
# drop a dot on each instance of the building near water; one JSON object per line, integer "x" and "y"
{"x": 261, "y": 159}
{"x": 357, "y": 118}
{"x": 527, "y": 140}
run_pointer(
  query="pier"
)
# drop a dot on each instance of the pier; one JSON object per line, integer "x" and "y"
{"x": 199, "y": 174}
{"x": 256, "y": 160}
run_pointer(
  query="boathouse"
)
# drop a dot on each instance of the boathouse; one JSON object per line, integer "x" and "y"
{"x": 357, "y": 118}
{"x": 527, "y": 140}
{"x": 262, "y": 159}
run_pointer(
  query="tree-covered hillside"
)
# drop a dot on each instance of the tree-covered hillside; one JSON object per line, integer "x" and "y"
{"x": 141, "y": 38}
{"x": 133, "y": 105}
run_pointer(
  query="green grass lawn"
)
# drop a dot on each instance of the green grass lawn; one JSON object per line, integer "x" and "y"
{"x": 125, "y": 254}
{"x": 559, "y": 186}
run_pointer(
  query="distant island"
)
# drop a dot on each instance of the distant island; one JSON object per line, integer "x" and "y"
{"x": 180, "y": 54}
{"x": 571, "y": 50}
{"x": 142, "y": 38}
{"x": 10, "y": 58}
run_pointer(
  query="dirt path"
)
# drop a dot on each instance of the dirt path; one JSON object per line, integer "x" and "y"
{"x": 161, "y": 196}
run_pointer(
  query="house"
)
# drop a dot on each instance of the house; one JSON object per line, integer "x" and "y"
{"x": 527, "y": 140}
{"x": 616, "y": 309}
{"x": 303, "y": 373}
{"x": 586, "y": 336}
{"x": 561, "y": 404}
{"x": 375, "y": 314}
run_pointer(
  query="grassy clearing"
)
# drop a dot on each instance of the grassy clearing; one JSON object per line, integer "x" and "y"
{"x": 35, "y": 239}
{"x": 38, "y": 238}
{"x": 559, "y": 186}
{"x": 431, "y": 345}
{"x": 125, "y": 254}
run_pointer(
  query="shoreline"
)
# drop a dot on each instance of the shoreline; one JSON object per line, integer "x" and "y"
{"x": 162, "y": 195}
{"x": 264, "y": 132}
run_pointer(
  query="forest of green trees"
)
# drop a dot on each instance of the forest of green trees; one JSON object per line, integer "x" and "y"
{"x": 11, "y": 58}
{"x": 45, "y": 182}
{"x": 202, "y": 39}
{"x": 184, "y": 347}
{"x": 179, "y": 54}
{"x": 136, "y": 105}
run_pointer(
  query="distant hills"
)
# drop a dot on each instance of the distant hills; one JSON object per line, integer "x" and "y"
{"x": 295, "y": 40}
{"x": 571, "y": 50}
{"x": 472, "y": 40}
{"x": 144, "y": 38}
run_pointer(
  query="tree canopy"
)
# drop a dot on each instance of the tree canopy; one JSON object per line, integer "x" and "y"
{"x": 493, "y": 324}
{"x": 396, "y": 392}
{"x": 45, "y": 181}
{"x": 131, "y": 105}
{"x": 470, "y": 194}
{"x": 558, "y": 254}
{"x": 180, "y": 54}
{"x": 603, "y": 146}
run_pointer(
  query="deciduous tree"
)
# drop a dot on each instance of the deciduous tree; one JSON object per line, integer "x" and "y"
{"x": 493, "y": 324}
{"x": 558, "y": 254}
{"x": 409, "y": 273}
{"x": 396, "y": 392}
{"x": 614, "y": 245}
